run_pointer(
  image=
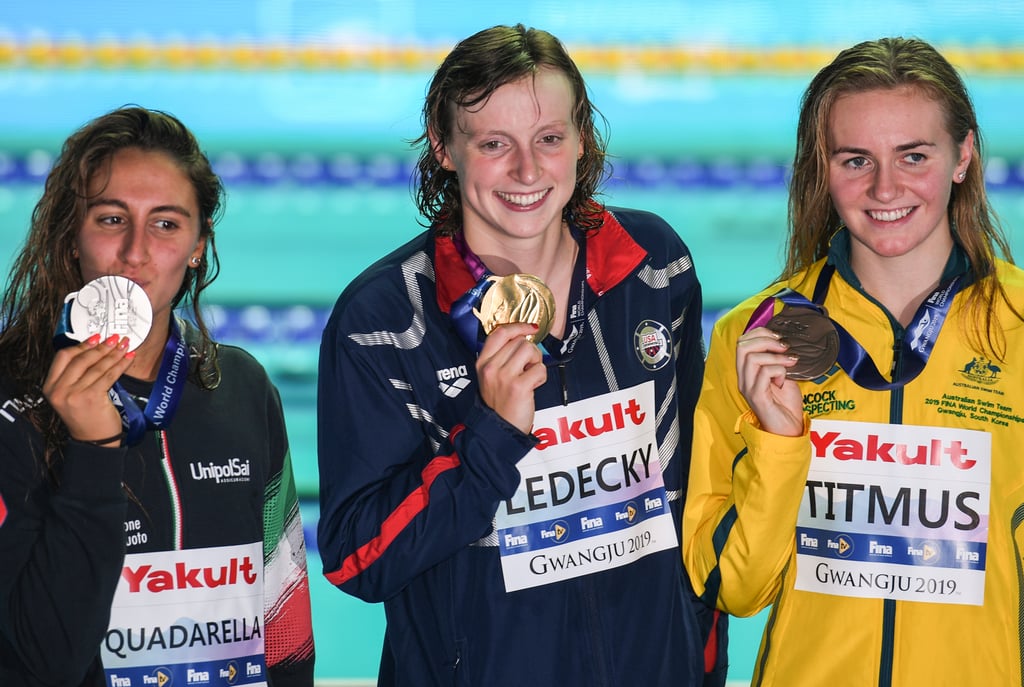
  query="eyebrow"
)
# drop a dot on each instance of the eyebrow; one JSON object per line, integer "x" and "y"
{"x": 900, "y": 148}
{"x": 124, "y": 206}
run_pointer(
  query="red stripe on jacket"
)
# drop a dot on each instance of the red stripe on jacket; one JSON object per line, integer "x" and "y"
{"x": 411, "y": 506}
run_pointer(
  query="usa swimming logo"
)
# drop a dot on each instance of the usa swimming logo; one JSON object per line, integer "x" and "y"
{"x": 653, "y": 344}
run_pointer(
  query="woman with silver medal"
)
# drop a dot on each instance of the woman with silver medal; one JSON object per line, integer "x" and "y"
{"x": 505, "y": 403}
{"x": 114, "y": 410}
{"x": 854, "y": 472}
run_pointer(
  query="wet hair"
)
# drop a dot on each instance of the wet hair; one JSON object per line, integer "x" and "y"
{"x": 896, "y": 63}
{"x": 46, "y": 270}
{"x": 472, "y": 71}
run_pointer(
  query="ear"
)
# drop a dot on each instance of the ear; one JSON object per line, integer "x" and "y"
{"x": 966, "y": 155}
{"x": 440, "y": 151}
{"x": 197, "y": 252}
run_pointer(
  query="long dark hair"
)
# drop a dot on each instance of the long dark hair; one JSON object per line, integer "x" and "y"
{"x": 45, "y": 270}
{"x": 471, "y": 72}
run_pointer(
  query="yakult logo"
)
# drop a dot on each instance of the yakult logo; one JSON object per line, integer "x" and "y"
{"x": 935, "y": 452}
{"x": 568, "y": 429}
{"x": 181, "y": 576}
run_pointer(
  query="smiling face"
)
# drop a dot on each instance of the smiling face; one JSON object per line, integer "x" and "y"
{"x": 141, "y": 222}
{"x": 515, "y": 157}
{"x": 892, "y": 165}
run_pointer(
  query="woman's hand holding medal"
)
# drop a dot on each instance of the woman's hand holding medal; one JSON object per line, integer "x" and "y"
{"x": 509, "y": 368}
{"x": 78, "y": 384}
{"x": 516, "y": 312}
{"x": 111, "y": 316}
{"x": 762, "y": 363}
{"x": 777, "y": 350}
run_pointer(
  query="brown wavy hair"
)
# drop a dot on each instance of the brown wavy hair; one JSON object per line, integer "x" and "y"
{"x": 890, "y": 63}
{"x": 472, "y": 71}
{"x": 45, "y": 271}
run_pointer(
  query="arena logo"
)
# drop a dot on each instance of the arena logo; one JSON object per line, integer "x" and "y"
{"x": 452, "y": 380}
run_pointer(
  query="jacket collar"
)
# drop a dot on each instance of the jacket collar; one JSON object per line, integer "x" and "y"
{"x": 839, "y": 255}
{"x": 612, "y": 255}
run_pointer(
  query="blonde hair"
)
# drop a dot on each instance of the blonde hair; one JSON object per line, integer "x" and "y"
{"x": 890, "y": 63}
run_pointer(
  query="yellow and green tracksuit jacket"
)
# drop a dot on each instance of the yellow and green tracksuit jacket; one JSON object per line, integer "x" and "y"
{"x": 747, "y": 489}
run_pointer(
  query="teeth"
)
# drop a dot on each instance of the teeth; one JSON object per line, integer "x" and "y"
{"x": 521, "y": 199}
{"x": 889, "y": 215}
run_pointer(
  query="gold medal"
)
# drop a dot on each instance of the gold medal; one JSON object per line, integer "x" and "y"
{"x": 517, "y": 298}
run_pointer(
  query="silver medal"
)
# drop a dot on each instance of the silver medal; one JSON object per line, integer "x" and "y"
{"x": 107, "y": 306}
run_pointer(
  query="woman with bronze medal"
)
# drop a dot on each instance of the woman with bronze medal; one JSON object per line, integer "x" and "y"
{"x": 856, "y": 453}
{"x": 151, "y": 527}
{"x": 505, "y": 403}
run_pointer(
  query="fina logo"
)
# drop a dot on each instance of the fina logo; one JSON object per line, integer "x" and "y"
{"x": 928, "y": 551}
{"x": 230, "y": 673}
{"x": 630, "y": 512}
{"x": 559, "y": 531}
{"x": 842, "y": 546}
{"x": 160, "y": 677}
{"x": 452, "y": 380}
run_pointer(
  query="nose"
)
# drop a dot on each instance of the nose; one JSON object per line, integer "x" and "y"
{"x": 527, "y": 169}
{"x": 885, "y": 186}
{"x": 135, "y": 246}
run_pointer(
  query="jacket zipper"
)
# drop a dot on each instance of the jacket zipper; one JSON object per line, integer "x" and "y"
{"x": 563, "y": 379}
{"x": 889, "y": 605}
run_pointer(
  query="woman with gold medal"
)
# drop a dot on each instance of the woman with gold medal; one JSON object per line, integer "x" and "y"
{"x": 505, "y": 402}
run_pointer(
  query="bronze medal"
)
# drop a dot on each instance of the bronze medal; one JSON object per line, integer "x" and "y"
{"x": 811, "y": 337}
{"x": 517, "y": 298}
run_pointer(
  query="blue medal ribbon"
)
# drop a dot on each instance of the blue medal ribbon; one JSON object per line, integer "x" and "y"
{"x": 915, "y": 347}
{"x": 163, "y": 399}
{"x": 470, "y": 329}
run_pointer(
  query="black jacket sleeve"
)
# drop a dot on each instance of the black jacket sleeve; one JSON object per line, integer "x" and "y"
{"x": 61, "y": 551}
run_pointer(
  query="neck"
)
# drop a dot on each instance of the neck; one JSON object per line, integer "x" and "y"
{"x": 544, "y": 256}
{"x": 551, "y": 259}
{"x": 900, "y": 287}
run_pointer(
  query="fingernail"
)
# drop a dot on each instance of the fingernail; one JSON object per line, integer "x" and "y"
{"x": 124, "y": 344}
{"x": 535, "y": 325}
{"x": 93, "y": 340}
{"x": 112, "y": 340}
{"x": 130, "y": 355}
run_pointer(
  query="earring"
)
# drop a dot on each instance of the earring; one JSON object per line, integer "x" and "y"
{"x": 74, "y": 254}
{"x": 961, "y": 176}
{"x": 194, "y": 261}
